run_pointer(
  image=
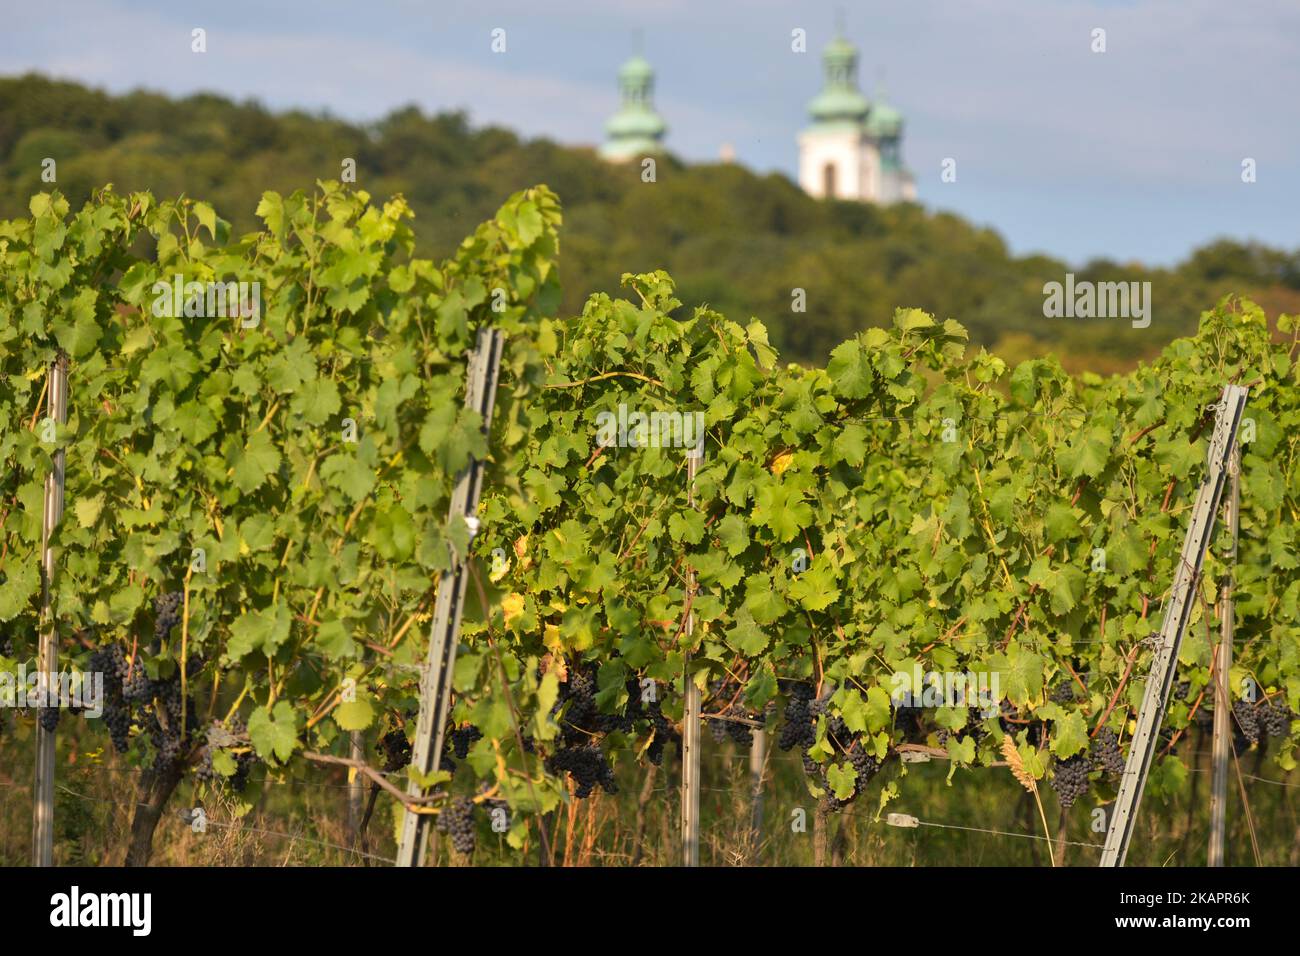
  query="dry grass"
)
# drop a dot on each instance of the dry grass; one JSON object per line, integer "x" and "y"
{"x": 301, "y": 821}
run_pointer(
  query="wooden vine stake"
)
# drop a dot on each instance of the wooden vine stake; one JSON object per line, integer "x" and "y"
{"x": 48, "y": 654}
{"x": 1178, "y": 609}
{"x": 691, "y": 715}
{"x": 1222, "y": 667}
{"x": 435, "y": 690}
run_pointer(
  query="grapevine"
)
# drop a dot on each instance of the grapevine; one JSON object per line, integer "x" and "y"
{"x": 914, "y": 506}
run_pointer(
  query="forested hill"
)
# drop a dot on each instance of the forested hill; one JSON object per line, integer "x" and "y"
{"x": 738, "y": 241}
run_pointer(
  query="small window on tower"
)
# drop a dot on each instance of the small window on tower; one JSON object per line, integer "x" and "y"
{"x": 828, "y": 180}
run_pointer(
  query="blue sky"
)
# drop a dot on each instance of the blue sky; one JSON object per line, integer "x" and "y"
{"x": 1134, "y": 154}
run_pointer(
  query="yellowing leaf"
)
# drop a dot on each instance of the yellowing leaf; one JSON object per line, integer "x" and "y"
{"x": 551, "y": 638}
{"x": 512, "y": 605}
{"x": 354, "y": 715}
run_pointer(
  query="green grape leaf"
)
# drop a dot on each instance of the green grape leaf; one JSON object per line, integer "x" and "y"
{"x": 1070, "y": 735}
{"x": 274, "y": 735}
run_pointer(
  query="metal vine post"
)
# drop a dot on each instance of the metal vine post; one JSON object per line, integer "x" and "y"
{"x": 444, "y": 634}
{"x": 48, "y": 655}
{"x": 1222, "y": 666}
{"x": 1178, "y": 609}
{"x": 757, "y": 757}
{"x": 690, "y": 716}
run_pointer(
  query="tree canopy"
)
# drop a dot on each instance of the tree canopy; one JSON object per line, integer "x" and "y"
{"x": 734, "y": 239}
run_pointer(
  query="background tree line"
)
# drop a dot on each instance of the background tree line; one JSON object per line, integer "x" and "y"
{"x": 739, "y": 241}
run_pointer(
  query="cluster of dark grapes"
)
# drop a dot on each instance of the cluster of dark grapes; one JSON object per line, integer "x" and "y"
{"x": 729, "y": 718}
{"x": 1105, "y": 752}
{"x": 866, "y": 767}
{"x": 1063, "y": 693}
{"x": 136, "y": 686}
{"x": 1247, "y": 721}
{"x": 206, "y": 773}
{"x": 845, "y": 744}
{"x": 910, "y": 720}
{"x": 171, "y": 721}
{"x": 798, "y": 728}
{"x": 1253, "y": 721}
{"x": 587, "y": 765}
{"x": 457, "y": 820}
{"x": 1070, "y": 776}
{"x": 49, "y": 719}
{"x": 974, "y": 728}
{"x": 638, "y": 708}
{"x": 582, "y": 725}
{"x": 1007, "y": 720}
{"x": 582, "y": 715}
{"x": 17, "y": 638}
{"x": 168, "y": 720}
{"x": 462, "y": 738}
{"x": 455, "y": 746}
{"x": 111, "y": 662}
{"x": 663, "y": 733}
{"x": 662, "y": 730}
{"x": 243, "y": 764}
{"x": 167, "y": 614}
{"x": 1170, "y": 740}
{"x": 396, "y": 750}
{"x": 579, "y": 754}
{"x": 1275, "y": 717}
{"x": 1070, "y": 779}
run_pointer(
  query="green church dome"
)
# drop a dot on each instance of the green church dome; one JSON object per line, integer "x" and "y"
{"x": 830, "y": 106}
{"x": 636, "y": 69}
{"x": 840, "y": 102}
{"x": 636, "y": 129}
{"x": 632, "y": 121}
{"x": 885, "y": 122}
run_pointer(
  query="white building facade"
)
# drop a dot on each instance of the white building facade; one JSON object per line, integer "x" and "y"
{"x": 853, "y": 149}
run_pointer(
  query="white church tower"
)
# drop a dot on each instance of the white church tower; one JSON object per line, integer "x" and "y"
{"x": 852, "y": 150}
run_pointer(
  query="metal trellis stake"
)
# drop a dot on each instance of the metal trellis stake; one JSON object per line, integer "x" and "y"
{"x": 1178, "y": 609}
{"x": 435, "y": 691}
{"x": 757, "y": 756}
{"x": 356, "y": 785}
{"x": 1222, "y": 667}
{"x": 48, "y": 654}
{"x": 691, "y": 715}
